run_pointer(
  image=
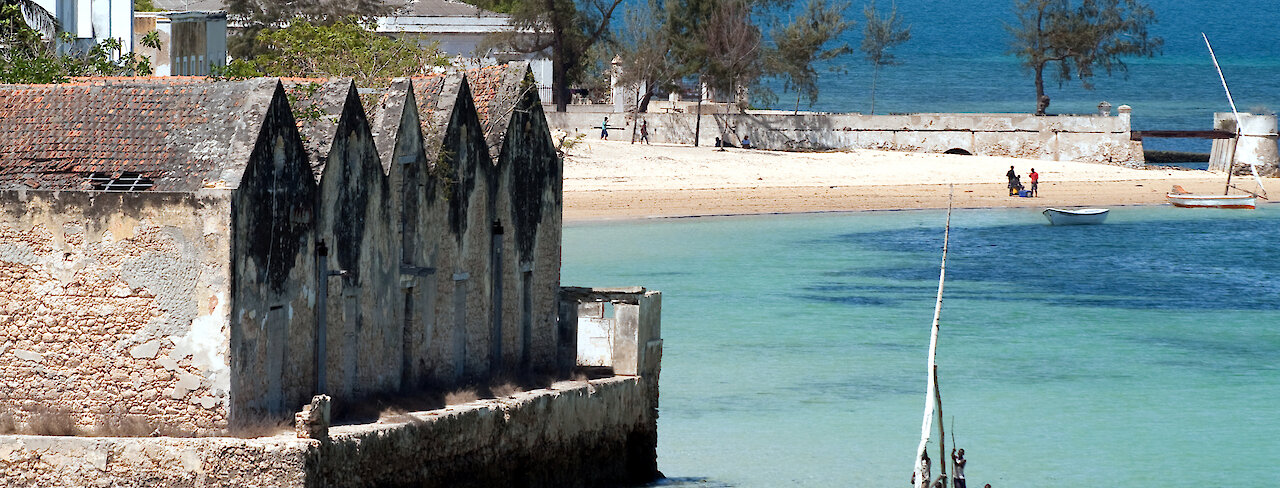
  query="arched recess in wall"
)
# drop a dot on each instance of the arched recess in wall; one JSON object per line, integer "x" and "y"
{"x": 956, "y": 150}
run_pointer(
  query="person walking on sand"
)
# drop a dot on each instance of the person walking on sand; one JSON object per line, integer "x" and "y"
{"x": 644, "y": 131}
{"x": 957, "y": 479}
{"x": 1035, "y": 182}
{"x": 604, "y": 128}
{"x": 1012, "y": 176}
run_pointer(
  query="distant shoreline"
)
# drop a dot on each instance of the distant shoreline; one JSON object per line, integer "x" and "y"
{"x": 610, "y": 180}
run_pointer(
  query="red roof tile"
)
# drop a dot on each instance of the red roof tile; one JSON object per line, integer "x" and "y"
{"x": 175, "y": 132}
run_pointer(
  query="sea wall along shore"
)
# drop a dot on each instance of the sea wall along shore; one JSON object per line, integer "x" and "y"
{"x": 1092, "y": 138}
{"x": 580, "y": 433}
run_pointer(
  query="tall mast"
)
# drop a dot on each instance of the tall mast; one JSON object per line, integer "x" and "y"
{"x": 1231, "y": 165}
{"x": 932, "y": 401}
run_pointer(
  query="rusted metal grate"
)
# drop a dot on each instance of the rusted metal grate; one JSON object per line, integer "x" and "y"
{"x": 125, "y": 182}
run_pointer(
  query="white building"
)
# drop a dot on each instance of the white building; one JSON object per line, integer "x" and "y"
{"x": 94, "y": 21}
{"x": 461, "y": 29}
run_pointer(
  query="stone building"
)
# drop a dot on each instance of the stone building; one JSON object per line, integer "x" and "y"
{"x": 528, "y": 181}
{"x": 142, "y": 275}
{"x": 198, "y": 256}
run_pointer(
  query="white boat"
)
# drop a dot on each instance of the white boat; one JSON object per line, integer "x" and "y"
{"x": 1180, "y": 198}
{"x": 1078, "y": 216}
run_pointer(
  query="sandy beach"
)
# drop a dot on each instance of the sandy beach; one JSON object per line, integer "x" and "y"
{"x": 607, "y": 180}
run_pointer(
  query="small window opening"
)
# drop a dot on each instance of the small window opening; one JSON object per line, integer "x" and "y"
{"x": 125, "y": 182}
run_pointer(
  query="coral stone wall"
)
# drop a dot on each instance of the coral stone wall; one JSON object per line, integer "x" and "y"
{"x": 113, "y": 310}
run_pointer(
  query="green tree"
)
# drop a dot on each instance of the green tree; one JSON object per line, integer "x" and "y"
{"x": 258, "y": 16}
{"x": 348, "y": 49}
{"x": 1079, "y": 39}
{"x": 804, "y": 42}
{"x": 645, "y": 50}
{"x": 566, "y": 28}
{"x": 878, "y": 36}
{"x": 29, "y": 55}
{"x": 145, "y": 6}
{"x": 717, "y": 43}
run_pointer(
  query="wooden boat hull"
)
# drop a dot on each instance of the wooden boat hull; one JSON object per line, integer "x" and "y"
{"x": 1083, "y": 216}
{"x": 1211, "y": 201}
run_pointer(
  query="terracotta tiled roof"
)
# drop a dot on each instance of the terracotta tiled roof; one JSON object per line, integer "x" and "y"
{"x": 181, "y": 135}
{"x": 497, "y": 90}
{"x": 436, "y": 96}
{"x": 317, "y": 105}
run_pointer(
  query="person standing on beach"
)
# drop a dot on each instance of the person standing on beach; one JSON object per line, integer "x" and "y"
{"x": 604, "y": 128}
{"x": 957, "y": 479}
{"x": 644, "y": 131}
{"x": 1035, "y": 182}
{"x": 1012, "y": 176}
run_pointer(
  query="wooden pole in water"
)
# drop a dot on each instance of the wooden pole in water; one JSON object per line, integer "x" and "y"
{"x": 942, "y": 434}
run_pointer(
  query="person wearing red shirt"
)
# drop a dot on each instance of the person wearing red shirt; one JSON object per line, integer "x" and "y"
{"x": 1035, "y": 182}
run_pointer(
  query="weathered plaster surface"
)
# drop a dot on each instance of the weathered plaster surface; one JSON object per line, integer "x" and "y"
{"x": 1101, "y": 139}
{"x": 114, "y": 306}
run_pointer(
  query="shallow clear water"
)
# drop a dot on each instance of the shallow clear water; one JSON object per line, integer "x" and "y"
{"x": 1141, "y": 352}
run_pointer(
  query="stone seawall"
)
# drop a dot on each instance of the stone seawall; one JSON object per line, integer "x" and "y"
{"x": 583, "y": 433}
{"x": 1091, "y": 138}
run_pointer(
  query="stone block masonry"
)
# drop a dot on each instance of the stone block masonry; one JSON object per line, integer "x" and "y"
{"x": 109, "y": 310}
{"x": 575, "y": 434}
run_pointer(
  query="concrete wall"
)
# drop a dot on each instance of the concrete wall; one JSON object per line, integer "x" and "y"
{"x": 575, "y": 434}
{"x": 115, "y": 307}
{"x": 1102, "y": 139}
{"x": 1257, "y": 144}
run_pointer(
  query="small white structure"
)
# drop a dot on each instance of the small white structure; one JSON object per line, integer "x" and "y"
{"x": 1257, "y": 143}
{"x": 461, "y": 29}
{"x": 94, "y": 21}
{"x": 190, "y": 42}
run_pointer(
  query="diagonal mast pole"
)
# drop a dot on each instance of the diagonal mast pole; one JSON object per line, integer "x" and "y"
{"x": 1231, "y": 165}
{"x": 931, "y": 400}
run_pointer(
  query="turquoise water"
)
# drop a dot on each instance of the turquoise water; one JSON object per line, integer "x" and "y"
{"x": 1141, "y": 352}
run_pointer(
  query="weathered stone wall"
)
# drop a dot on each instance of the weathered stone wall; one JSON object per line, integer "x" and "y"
{"x": 460, "y": 342}
{"x": 1257, "y": 144}
{"x": 528, "y": 201}
{"x": 576, "y": 434}
{"x": 1091, "y": 138}
{"x": 413, "y": 187}
{"x": 273, "y": 274}
{"x": 362, "y": 314}
{"x": 114, "y": 309}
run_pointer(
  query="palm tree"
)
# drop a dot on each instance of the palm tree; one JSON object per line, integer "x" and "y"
{"x": 36, "y": 16}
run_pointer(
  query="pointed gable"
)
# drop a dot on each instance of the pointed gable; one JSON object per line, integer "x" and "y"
{"x": 497, "y": 91}
{"x": 317, "y": 107}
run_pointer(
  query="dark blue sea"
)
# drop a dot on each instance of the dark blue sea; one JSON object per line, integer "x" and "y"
{"x": 957, "y": 61}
